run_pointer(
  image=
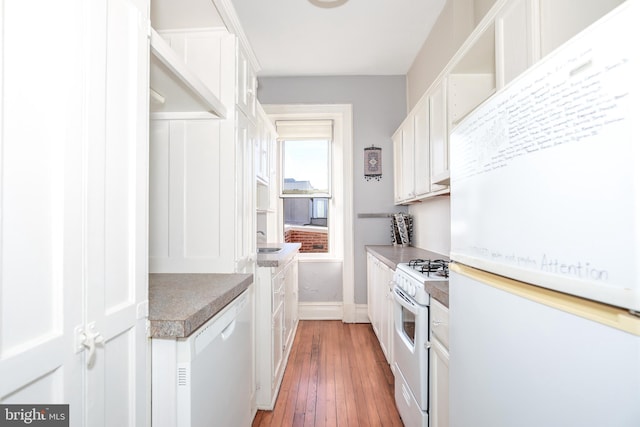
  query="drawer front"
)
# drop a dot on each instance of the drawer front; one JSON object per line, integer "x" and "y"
{"x": 440, "y": 322}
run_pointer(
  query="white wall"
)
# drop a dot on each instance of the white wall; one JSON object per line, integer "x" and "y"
{"x": 453, "y": 26}
{"x": 379, "y": 106}
{"x": 432, "y": 225}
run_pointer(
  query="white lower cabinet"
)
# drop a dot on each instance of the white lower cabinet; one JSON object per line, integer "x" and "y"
{"x": 275, "y": 326}
{"x": 439, "y": 366}
{"x": 380, "y": 303}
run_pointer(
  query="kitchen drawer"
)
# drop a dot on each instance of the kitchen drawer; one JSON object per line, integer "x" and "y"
{"x": 440, "y": 322}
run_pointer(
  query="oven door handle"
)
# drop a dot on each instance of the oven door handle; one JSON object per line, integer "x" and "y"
{"x": 404, "y": 301}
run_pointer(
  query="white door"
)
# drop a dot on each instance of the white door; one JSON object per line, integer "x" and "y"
{"x": 40, "y": 202}
{"x": 116, "y": 244}
{"x": 73, "y": 209}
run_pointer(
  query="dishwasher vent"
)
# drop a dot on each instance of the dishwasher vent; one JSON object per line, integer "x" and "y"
{"x": 183, "y": 376}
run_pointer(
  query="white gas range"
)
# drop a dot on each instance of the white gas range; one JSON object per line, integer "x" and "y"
{"x": 411, "y": 336}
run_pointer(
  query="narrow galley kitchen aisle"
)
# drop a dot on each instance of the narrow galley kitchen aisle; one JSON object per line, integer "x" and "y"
{"x": 337, "y": 375}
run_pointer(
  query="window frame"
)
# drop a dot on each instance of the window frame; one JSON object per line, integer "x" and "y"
{"x": 343, "y": 164}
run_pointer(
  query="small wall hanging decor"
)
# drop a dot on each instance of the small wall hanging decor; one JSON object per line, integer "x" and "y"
{"x": 373, "y": 163}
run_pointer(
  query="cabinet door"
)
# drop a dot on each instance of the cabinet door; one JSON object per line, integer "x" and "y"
{"x": 422, "y": 166}
{"x": 439, "y": 365}
{"x": 408, "y": 160}
{"x": 277, "y": 345}
{"x": 397, "y": 167}
{"x": 438, "y": 137}
{"x": 403, "y": 162}
{"x": 116, "y": 225}
{"x": 74, "y": 258}
{"x": 517, "y": 39}
{"x": 370, "y": 285}
{"x": 439, "y": 393}
{"x": 372, "y": 296}
{"x": 291, "y": 301}
{"x": 42, "y": 169}
{"x": 263, "y": 143}
{"x": 244, "y": 195}
{"x": 246, "y": 84}
{"x": 384, "y": 276}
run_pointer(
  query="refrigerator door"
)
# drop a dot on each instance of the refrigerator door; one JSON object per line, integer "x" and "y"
{"x": 545, "y": 175}
{"x": 516, "y": 361}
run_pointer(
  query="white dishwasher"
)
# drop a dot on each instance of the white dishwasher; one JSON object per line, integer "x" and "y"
{"x": 204, "y": 380}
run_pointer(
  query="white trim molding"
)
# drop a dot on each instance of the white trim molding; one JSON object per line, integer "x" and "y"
{"x": 333, "y": 311}
{"x": 320, "y": 310}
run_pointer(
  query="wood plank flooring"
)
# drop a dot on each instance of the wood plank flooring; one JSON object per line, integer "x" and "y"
{"x": 336, "y": 376}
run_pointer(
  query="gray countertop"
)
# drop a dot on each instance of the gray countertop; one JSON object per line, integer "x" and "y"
{"x": 181, "y": 303}
{"x": 275, "y": 259}
{"x": 392, "y": 255}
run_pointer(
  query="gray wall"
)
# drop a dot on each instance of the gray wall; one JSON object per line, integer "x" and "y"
{"x": 379, "y": 106}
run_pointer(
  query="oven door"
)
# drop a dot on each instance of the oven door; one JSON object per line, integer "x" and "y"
{"x": 411, "y": 345}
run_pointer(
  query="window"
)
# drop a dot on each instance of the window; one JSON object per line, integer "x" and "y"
{"x": 306, "y": 182}
{"x": 340, "y": 216}
{"x": 306, "y": 168}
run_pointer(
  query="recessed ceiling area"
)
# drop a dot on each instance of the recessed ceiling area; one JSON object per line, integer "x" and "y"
{"x": 359, "y": 37}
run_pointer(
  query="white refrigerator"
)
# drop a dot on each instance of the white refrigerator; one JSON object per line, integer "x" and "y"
{"x": 545, "y": 241}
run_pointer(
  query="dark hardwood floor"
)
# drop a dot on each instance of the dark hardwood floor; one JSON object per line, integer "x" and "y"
{"x": 336, "y": 376}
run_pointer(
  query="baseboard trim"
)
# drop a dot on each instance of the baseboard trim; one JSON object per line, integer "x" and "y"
{"x": 362, "y": 313}
{"x": 356, "y": 313}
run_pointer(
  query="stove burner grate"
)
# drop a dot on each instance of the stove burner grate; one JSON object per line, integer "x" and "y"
{"x": 438, "y": 267}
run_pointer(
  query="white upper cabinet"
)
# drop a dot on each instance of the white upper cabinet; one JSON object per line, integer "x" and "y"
{"x": 511, "y": 37}
{"x": 244, "y": 195}
{"x": 439, "y": 138}
{"x": 397, "y": 166}
{"x": 265, "y": 145}
{"x": 421, "y": 150}
{"x": 403, "y": 143}
{"x": 421, "y": 147}
{"x": 246, "y": 83}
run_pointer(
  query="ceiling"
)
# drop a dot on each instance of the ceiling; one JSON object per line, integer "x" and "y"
{"x": 361, "y": 37}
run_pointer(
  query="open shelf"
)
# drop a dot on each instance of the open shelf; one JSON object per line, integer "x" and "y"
{"x": 175, "y": 88}
{"x": 473, "y": 76}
